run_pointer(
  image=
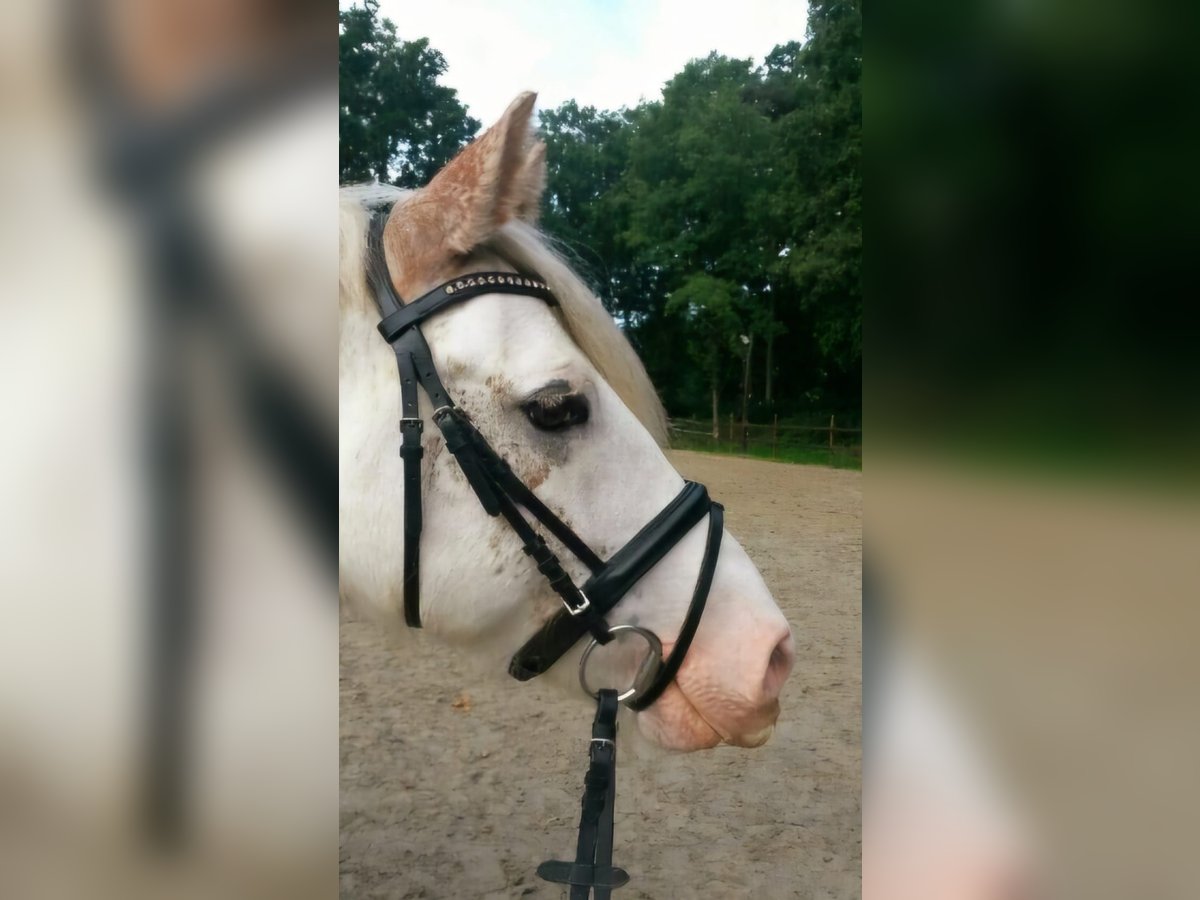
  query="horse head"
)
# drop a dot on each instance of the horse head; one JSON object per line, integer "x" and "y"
{"x": 560, "y": 394}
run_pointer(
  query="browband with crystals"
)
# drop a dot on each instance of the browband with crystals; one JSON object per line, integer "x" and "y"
{"x": 455, "y": 291}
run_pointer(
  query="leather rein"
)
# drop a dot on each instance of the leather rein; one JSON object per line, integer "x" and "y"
{"x": 502, "y": 493}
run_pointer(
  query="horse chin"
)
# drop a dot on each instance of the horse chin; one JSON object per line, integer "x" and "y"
{"x": 673, "y": 723}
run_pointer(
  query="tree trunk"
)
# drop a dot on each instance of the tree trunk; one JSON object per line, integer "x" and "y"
{"x": 770, "y": 351}
{"x": 770, "y": 363}
{"x": 746, "y": 393}
{"x": 716, "y": 429}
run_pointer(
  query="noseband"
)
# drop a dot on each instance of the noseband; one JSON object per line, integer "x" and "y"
{"x": 502, "y": 493}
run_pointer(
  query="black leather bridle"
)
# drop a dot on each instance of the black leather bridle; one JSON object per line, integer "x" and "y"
{"x": 501, "y": 492}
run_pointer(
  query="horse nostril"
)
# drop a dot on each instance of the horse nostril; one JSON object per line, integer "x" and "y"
{"x": 779, "y": 666}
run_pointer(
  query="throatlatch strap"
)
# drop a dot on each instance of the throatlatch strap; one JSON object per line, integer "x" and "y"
{"x": 593, "y": 868}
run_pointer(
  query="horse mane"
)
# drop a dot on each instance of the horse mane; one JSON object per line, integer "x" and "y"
{"x": 529, "y": 250}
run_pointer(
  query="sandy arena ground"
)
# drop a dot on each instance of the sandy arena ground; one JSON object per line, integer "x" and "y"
{"x": 463, "y": 799}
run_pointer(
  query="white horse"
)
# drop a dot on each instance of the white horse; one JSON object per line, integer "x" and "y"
{"x": 605, "y": 475}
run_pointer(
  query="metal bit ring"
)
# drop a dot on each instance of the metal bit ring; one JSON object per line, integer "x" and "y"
{"x": 646, "y": 672}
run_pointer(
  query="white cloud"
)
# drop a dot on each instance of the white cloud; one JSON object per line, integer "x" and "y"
{"x": 604, "y": 53}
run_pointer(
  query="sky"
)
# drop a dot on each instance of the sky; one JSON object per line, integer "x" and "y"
{"x": 603, "y": 53}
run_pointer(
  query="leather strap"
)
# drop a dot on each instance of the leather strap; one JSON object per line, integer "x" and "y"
{"x": 604, "y": 755}
{"x": 478, "y": 462}
{"x": 520, "y": 492}
{"x": 592, "y": 869}
{"x": 691, "y": 621}
{"x": 411, "y": 451}
{"x": 411, "y": 424}
{"x": 606, "y": 588}
{"x": 399, "y": 320}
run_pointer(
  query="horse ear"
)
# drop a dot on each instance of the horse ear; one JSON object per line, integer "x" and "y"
{"x": 531, "y": 182}
{"x": 484, "y": 186}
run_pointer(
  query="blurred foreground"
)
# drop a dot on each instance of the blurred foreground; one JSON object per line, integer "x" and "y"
{"x": 1053, "y": 628}
{"x": 1030, "y": 715}
{"x": 168, "y": 659}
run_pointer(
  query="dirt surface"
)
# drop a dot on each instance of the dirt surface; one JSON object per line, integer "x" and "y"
{"x": 456, "y": 787}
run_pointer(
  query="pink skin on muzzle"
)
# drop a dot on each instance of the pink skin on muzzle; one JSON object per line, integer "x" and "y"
{"x": 727, "y": 691}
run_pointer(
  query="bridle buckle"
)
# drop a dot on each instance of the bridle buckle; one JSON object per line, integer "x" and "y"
{"x": 581, "y": 608}
{"x": 410, "y": 421}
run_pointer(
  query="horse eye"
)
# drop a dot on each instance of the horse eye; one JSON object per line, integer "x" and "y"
{"x": 557, "y": 412}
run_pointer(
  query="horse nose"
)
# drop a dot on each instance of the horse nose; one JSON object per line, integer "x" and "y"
{"x": 747, "y": 713}
{"x": 779, "y": 666}
{"x": 733, "y": 683}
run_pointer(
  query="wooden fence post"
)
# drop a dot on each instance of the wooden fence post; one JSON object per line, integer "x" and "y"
{"x": 774, "y": 435}
{"x": 731, "y": 438}
{"x": 831, "y": 434}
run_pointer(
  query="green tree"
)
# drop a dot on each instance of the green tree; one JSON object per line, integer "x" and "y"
{"x": 814, "y": 93}
{"x": 743, "y": 186}
{"x": 587, "y": 152}
{"x": 707, "y": 307}
{"x": 699, "y": 168}
{"x": 700, "y": 178}
{"x": 396, "y": 123}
